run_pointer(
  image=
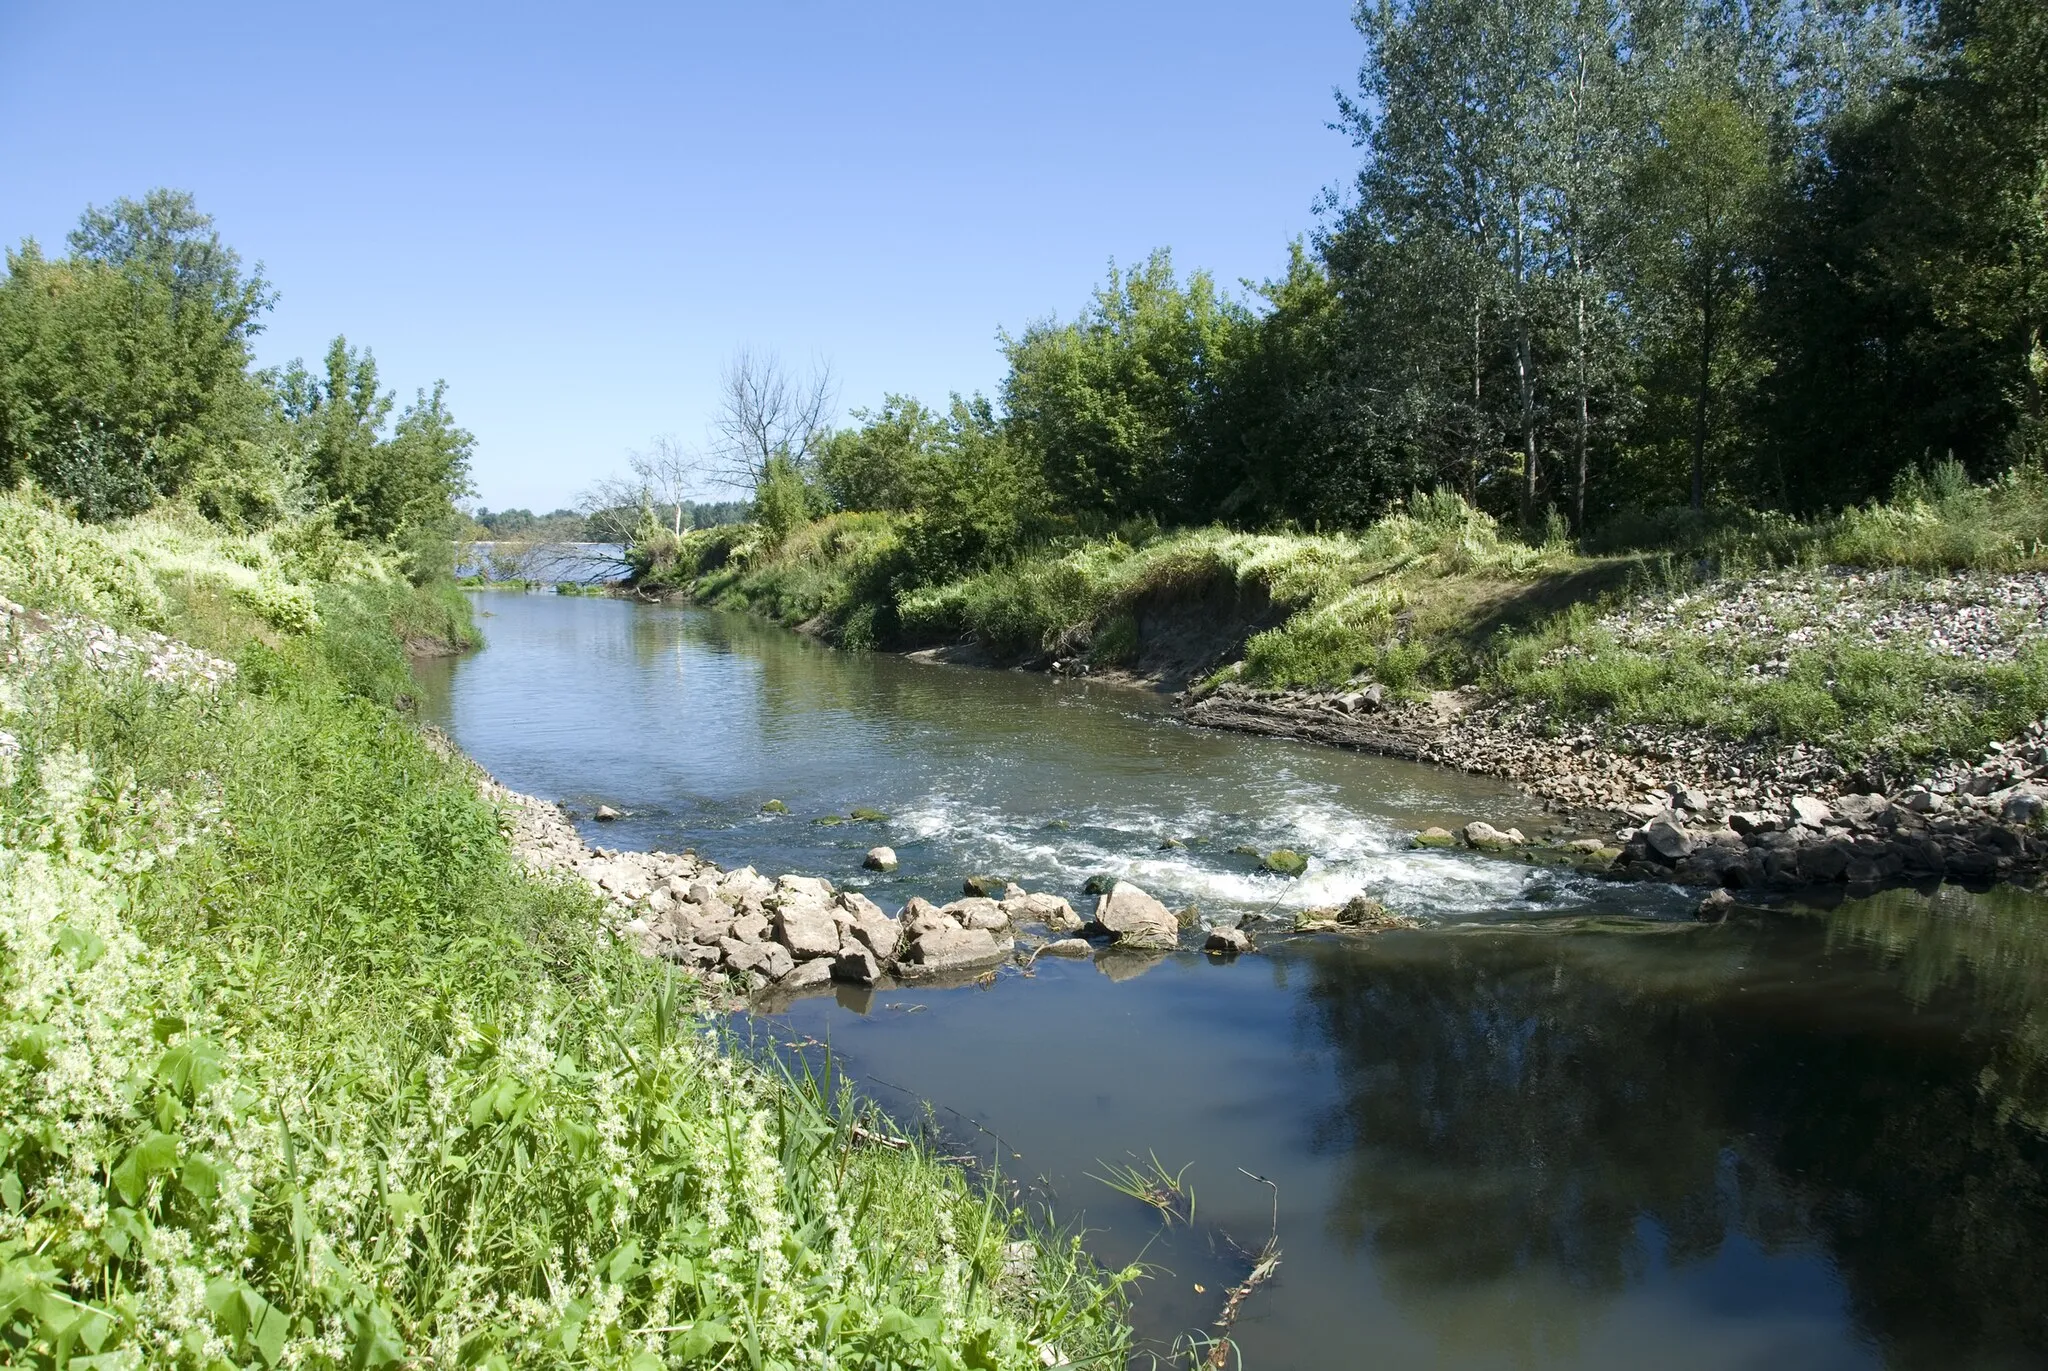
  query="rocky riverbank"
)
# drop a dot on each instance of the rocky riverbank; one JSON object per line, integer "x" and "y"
{"x": 792, "y": 934}
{"x": 1666, "y": 804}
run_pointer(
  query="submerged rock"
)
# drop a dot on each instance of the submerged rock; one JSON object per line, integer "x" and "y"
{"x": 1068, "y": 947}
{"x": 1284, "y": 861}
{"x": 1434, "y": 837}
{"x": 775, "y": 807}
{"x": 605, "y": 814}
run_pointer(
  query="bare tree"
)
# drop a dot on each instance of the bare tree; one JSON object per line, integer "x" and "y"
{"x": 766, "y": 411}
{"x": 668, "y": 474}
{"x": 611, "y": 508}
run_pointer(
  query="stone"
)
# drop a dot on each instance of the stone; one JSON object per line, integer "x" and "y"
{"x": 1373, "y": 697}
{"x": 1434, "y": 837}
{"x": 880, "y": 859}
{"x": 741, "y": 955}
{"x": 1284, "y": 861}
{"x": 751, "y": 928}
{"x": 866, "y": 924}
{"x": 1810, "y": 811}
{"x": 856, "y": 965}
{"x": 2023, "y": 806}
{"x": 806, "y": 974}
{"x": 1864, "y": 809}
{"x": 1693, "y": 801}
{"x": 1365, "y": 914}
{"x": 919, "y": 914}
{"x": 1667, "y": 840}
{"x": 807, "y": 931}
{"x": 978, "y": 912}
{"x": 1135, "y": 919}
{"x": 605, "y": 814}
{"x": 1920, "y": 800}
{"x": 987, "y": 887}
{"x": 1824, "y": 861}
{"x": 1052, "y": 911}
{"x": 1012, "y": 891}
{"x": 1748, "y": 822}
{"x": 946, "y": 946}
{"x": 776, "y": 961}
{"x": 1485, "y": 837}
{"x": 1230, "y": 941}
{"x": 775, "y": 807}
{"x": 810, "y": 890}
{"x": 1715, "y": 906}
{"x": 1068, "y": 947}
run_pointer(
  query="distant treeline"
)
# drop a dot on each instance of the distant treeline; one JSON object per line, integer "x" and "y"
{"x": 126, "y": 378}
{"x": 1603, "y": 259}
{"x": 599, "y": 524}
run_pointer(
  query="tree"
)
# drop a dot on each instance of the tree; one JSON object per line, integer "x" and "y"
{"x": 124, "y": 367}
{"x": 765, "y": 412}
{"x": 1112, "y": 403}
{"x": 668, "y": 473}
{"x": 1699, "y": 195}
{"x": 880, "y": 464}
{"x": 377, "y": 487}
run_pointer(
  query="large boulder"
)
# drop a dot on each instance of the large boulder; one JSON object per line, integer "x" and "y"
{"x": 880, "y": 859}
{"x": 1135, "y": 919}
{"x": 1227, "y": 940}
{"x": 1486, "y": 838}
{"x": 945, "y": 946}
{"x": 818, "y": 971}
{"x": 1811, "y": 811}
{"x": 856, "y": 965}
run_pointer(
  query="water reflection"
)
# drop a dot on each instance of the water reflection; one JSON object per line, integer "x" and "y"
{"x": 1586, "y": 1108}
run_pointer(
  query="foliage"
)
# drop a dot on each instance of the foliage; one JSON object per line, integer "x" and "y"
{"x": 124, "y": 366}
{"x": 300, "y": 1069}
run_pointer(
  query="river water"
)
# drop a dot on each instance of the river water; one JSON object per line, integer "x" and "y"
{"x": 1562, "y": 1126}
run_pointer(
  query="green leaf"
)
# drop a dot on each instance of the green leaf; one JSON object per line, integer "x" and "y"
{"x": 624, "y": 1264}
{"x": 267, "y": 1325}
{"x": 155, "y": 1153}
{"x": 376, "y": 1339}
{"x": 10, "y": 1191}
{"x": 701, "y": 1338}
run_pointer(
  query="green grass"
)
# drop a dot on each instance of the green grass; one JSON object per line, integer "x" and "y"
{"x": 297, "y": 1067}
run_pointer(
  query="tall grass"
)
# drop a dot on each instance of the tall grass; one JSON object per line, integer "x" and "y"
{"x": 298, "y": 1069}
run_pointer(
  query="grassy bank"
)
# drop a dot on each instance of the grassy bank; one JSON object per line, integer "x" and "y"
{"x": 1437, "y": 595}
{"x": 297, "y": 1069}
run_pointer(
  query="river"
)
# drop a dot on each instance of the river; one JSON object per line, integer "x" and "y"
{"x": 1561, "y": 1126}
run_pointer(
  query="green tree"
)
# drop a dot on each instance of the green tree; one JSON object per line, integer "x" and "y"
{"x": 1111, "y": 403}
{"x": 124, "y": 367}
{"x": 378, "y": 487}
{"x": 1698, "y": 199}
{"x": 882, "y": 463}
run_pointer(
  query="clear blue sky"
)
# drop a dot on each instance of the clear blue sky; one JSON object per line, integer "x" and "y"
{"x": 575, "y": 212}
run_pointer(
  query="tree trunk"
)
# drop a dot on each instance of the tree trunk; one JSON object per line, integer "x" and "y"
{"x": 1478, "y": 424}
{"x": 1585, "y": 420}
{"x": 1525, "y": 379}
{"x": 1699, "y": 417}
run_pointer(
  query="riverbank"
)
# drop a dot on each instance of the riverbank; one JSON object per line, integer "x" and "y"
{"x": 1724, "y": 670}
{"x": 299, "y": 1065}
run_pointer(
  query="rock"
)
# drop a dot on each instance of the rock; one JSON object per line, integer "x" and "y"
{"x": 1366, "y": 914}
{"x": 1012, "y": 892}
{"x": 1227, "y": 940}
{"x": 1284, "y": 861}
{"x": 1668, "y": 841}
{"x": 1434, "y": 837}
{"x": 1748, "y": 822}
{"x": 1810, "y": 811}
{"x": 987, "y": 887}
{"x": 920, "y": 914}
{"x": 1486, "y": 838}
{"x": 861, "y": 814}
{"x": 807, "y": 931}
{"x": 742, "y": 956}
{"x": 776, "y": 961}
{"x": 946, "y": 946}
{"x": 806, "y": 974}
{"x": 978, "y": 912}
{"x": 856, "y": 965}
{"x": 751, "y": 928}
{"x": 867, "y": 925}
{"x": 1068, "y": 947}
{"x": 775, "y": 807}
{"x": 880, "y": 859}
{"x": 1050, "y": 910}
{"x": 1715, "y": 906}
{"x": 1920, "y": 800}
{"x": 1824, "y": 861}
{"x": 1135, "y": 918}
{"x": 1170, "y": 844}
{"x": 605, "y": 814}
{"x": 1693, "y": 801}
{"x": 2023, "y": 806}
{"x": 1373, "y": 697}
{"x": 1100, "y": 884}
{"x": 1864, "y": 809}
